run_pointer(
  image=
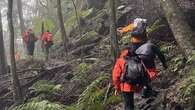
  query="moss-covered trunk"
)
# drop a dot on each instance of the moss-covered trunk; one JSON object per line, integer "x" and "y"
{"x": 178, "y": 25}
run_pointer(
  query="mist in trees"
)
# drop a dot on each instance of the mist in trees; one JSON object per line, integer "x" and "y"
{"x": 83, "y": 45}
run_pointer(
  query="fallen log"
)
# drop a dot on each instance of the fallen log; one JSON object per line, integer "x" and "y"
{"x": 46, "y": 73}
{"x": 31, "y": 69}
{"x": 84, "y": 49}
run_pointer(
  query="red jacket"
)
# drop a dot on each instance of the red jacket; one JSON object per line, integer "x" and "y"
{"x": 119, "y": 70}
{"x": 47, "y": 37}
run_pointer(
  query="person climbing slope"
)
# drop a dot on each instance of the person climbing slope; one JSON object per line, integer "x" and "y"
{"x": 30, "y": 39}
{"x": 136, "y": 59}
{"x": 147, "y": 53}
{"x": 47, "y": 41}
{"x": 126, "y": 88}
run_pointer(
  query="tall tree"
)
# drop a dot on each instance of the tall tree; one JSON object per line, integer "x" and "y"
{"x": 178, "y": 23}
{"x": 113, "y": 31}
{"x": 22, "y": 26}
{"x": 2, "y": 50}
{"x": 62, "y": 28}
{"x": 78, "y": 21}
{"x": 17, "y": 92}
{"x": 77, "y": 18}
{"x": 20, "y": 12}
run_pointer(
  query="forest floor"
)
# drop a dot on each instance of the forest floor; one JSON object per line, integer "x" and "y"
{"x": 68, "y": 74}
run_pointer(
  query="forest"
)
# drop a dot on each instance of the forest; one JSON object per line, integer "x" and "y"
{"x": 97, "y": 55}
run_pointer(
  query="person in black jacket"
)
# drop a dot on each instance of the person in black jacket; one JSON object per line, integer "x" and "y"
{"x": 147, "y": 53}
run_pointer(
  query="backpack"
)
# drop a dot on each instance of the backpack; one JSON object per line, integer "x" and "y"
{"x": 135, "y": 72}
{"x": 49, "y": 37}
{"x": 140, "y": 30}
{"x": 49, "y": 41}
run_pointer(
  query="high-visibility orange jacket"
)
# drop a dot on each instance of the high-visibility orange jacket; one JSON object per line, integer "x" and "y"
{"x": 47, "y": 37}
{"x": 119, "y": 70}
{"x": 129, "y": 28}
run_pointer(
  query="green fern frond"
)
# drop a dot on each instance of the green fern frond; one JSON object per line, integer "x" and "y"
{"x": 44, "y": 86}
{"x": 42, "y": 105}
{"x": 91, "y": 97}
{"x": 155, "y": 26}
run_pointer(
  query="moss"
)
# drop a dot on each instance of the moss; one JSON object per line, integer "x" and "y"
{"x": 71, "y": 22}
{"x": 100, "y": 14}
{"x": 87, "y": 36}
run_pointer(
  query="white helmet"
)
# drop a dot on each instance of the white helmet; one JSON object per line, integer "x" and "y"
{"x": 139, "y": 21}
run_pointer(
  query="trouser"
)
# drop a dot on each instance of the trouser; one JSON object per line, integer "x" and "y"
{"x": 128, "y": 98}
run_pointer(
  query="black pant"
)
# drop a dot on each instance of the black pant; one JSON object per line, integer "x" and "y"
{"x": 128, "y": 100}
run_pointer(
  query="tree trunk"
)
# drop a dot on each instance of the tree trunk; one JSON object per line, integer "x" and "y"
{"x": 17, "y": 93}
{"x": 79, "y": 24}
{"x": 113, "y": 32}
{"x": 20, "y": 12}
{"x": 62, "y": 28}
{"x": 2, "y": 50}
{"x": 180, "y": 28}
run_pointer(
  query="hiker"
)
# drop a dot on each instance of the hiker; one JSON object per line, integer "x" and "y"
{"x": 47, "y": 42}
{"x": 127, "y": 90}
{"x": 134, "y": 70}
{"x": 147, "y": 53}
{"x": 29, "y": 40}
{"x": 137, "y": 30}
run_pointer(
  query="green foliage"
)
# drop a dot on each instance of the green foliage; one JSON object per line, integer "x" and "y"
{"x": 100, "y": 14}
{"x": 41, "y": 105}
{"x": 113, "y": 99}
{"x": 88, "y": 36}
{"x": 81, "y": 71}
{"x": 44, "y": 86}
{"x": 168, "y": 48}
{"x": 187, "y": 88}
{"x": 125, "y": 39}
{"x": 37, "y": 24}
{"x": 155, "y": 26}
{"x": 71, "y": 22}
{"x": 191, "y": 59}
{"x": 176, "y": 63}
{"x": 48, "y": 25}
{"x": 92, "y": 97}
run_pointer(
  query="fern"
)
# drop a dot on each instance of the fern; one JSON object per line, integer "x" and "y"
{"x": 155, "y": 26}
{"x": 44, "y": 86}
{"x": 91, "y": 98}
{"x": 42, "y": 105}
{"x": 187, "y": 88}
